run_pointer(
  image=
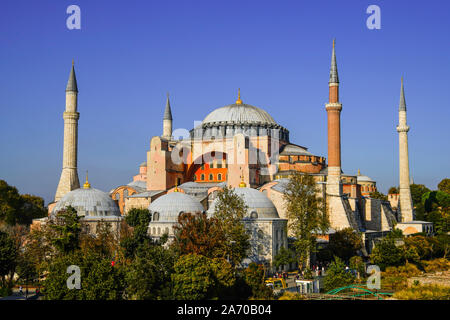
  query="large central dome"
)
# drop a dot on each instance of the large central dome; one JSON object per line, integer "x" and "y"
{"x": 237, "y": 114}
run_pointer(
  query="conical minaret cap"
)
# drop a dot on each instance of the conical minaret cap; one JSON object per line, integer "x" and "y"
{"x": 402, "y": 104}
{"x": 334, "y": 78}
{"x": 167, "y": 111}
{"x": 72, "y": 83}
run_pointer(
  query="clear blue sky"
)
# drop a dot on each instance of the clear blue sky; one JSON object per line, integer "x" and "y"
{"x": 128, "y": 54}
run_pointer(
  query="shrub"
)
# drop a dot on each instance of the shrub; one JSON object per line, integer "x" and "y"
{"x": 287, "y": 295}
{"x": 426, "y": 292}
{"x": 436, "y": 265}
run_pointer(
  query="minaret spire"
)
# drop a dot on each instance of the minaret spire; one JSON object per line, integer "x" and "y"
{"x": 167, "y": 120}
{"x": 406, "y": 207}
{"x": 334, "y": 78}
{"x": 72, "y": 82}
{"x": 69, "y": 175}
{"x": 402, "y": 104}
{"x": 168, "y": 111}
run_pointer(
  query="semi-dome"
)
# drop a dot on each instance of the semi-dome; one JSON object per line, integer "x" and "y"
{"x": 169, "y": 206}
{"x": 259, "y": 205}
{"x": 88, "y": 202}
{"x": 239, "y": 114}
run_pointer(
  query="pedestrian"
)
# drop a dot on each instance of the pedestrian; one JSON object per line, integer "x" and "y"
{"x": 20, "y": 291}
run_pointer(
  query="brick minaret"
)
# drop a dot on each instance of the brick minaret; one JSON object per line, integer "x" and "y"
{"x": 69, "y": 175}
{"x": 406, "y": 207}
{"x": 167, "y": 120}
{"x": 333, "y": 107}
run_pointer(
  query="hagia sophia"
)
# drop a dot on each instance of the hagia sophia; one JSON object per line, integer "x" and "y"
{"x": 240, "y": 146}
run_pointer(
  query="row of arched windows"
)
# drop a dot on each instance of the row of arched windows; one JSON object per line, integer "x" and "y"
{"x": 210, "y": 177}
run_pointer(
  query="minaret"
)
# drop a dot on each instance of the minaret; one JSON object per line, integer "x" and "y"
{"x": 69, "y": 175}
{"x": 167, "y": 120}
{"x": 333, "y": 107}
{"x": 406, "y": 207}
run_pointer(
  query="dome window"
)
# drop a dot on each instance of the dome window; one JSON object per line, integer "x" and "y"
{"x": 156, "y": 216}
{"x": 254, "y": 215}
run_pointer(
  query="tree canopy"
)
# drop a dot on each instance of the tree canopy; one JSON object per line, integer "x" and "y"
{"x": 306, "y": 212}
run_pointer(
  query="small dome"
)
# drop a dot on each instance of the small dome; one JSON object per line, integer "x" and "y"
{"x": 256, "y": 201}
{"x": 169, "y": 206}
{"x": 143, "y": 164}
{"x": 239, "y": 113}
{"x": 88, "y": 202}
{"x": 364, "y": 179}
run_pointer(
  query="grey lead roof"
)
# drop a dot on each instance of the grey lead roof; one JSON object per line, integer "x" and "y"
{"x": 72, "y": 82}
{"x": 334, "y": 78}
{"x": 402, "y": 104}
{"x": 167, "y": 111}
{"x": 239, "y": 113}
{"x": 292, "y": 149}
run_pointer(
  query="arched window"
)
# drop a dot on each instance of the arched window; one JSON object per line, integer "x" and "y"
{"x": 202, "y": 177}
{"x": 211, "y": 177}
{"x": 125, "y": 193}
{"x": 254, "y": 215}
{"x": 154, "y": 230}
{"x": 159, "y": 230}
{"x": 156, "y": 216}
{"x": 219, "y": 176}
{"x": 195, "y": 177}
{"x": 167, "y": 231}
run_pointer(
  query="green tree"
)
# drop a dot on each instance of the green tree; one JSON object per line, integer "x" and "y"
{"x": 283, "y": 257}
{"x": 193, "y": 278}
{"x": 229, "y": 211}
{"x": 306, "y": 213}
{"x": 67, "y": 228}
{"x": 8, "y": 256}
{"x": 393, "y": 190}
{"x": 357, "y": 263}
{"x": 198, "y": 234}
{"x": 444, "y": 185}
{"x": 417, "y": 191}
{"x": 337, "y": 276}
{"x": 345, "y": 243}
{"x": 378, "y": 195}
{"x": 19, "y": 209}
{"x": 386, "y": 253}
{"x": 254, "y": 278}
{"x": 138, "y": 219}
{"x": 99, "y": 279}
{"x": 149, "y": 274}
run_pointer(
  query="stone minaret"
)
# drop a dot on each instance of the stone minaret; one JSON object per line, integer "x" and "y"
{"x": 333, "y": 107}
{"x": 406, "y": 207}
{"x": 167, "y": 120}
{"x": 69, "y": 175}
